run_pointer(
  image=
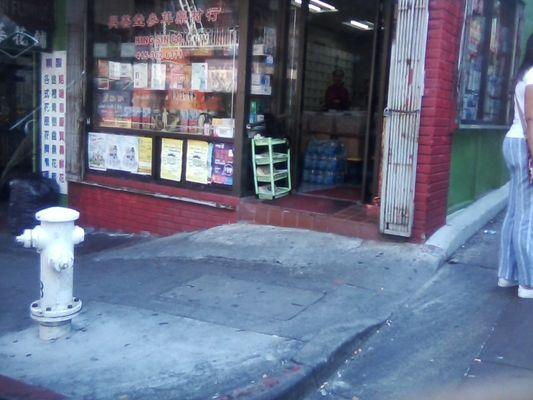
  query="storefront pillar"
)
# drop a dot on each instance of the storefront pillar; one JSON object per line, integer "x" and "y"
{"x": 439, "y": 116}
{"x": 76, "y": 26}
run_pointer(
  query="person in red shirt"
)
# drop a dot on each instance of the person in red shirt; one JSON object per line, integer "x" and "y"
{"x": 337, "y": 97}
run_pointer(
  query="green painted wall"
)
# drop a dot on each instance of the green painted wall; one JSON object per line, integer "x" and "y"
{"x": 59, "y": 40}
{"x": 477, "y": 166}
{"x": 477, "y": 162}
{"x": 528, "y": 25}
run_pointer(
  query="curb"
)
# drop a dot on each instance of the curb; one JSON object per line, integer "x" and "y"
{"x": 300, "y": 378}
{"x": 463, "y": 224}
{"x": 11, "y": 389}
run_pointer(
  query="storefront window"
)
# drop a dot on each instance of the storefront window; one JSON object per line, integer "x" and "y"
{"x": 164, "y": 86}
{"x": 264, "y": 59}
{"x": 25, "y": 32}
{"x": 491, "y": 35}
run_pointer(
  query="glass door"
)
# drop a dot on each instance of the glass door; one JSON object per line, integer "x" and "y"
{"x": 264, "y": 61}
{"x": 24, "y": 33}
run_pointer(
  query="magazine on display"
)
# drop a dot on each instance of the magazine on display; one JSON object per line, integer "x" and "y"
{"x": 140, "y": 76}
{"x": 199, "y": 76}
{"x": 198, "y": 168}
{"x": 222, "y": 164}
{"x": 171, "y": 159}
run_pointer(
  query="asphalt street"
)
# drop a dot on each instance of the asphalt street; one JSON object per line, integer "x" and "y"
{"x": 459, "y": 337}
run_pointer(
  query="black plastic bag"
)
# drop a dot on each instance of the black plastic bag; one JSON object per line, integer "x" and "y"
{"x": 26, "y": 197}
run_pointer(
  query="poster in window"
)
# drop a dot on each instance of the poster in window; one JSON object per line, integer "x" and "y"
{"x": 102, "y": 83}
{"x": 199, "y": 76}
{"x": 221, "y": 76}
{"x": 176, "y": 76}
{"x": 222, "y": 164}
{"x": 112, "y": 153}
{"x": 103, "y": 69}
{"x": 126, "y": 70}
{"x": 171, "y": 159}
{"x": 96, "y": 148}
{"x": 114, "y": 70}
{"x": 269, "y": 36}
{"x": 145, "y": 156}
{"x": 129, "y": 152}
{"x": 159, "y": 76}
{"x": 476, "y": 35}
{"x": 198, "y": 168}
{"x": 140, "y": 75}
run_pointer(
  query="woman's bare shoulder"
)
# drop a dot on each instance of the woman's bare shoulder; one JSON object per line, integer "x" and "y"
{"x": 528, "y": 77}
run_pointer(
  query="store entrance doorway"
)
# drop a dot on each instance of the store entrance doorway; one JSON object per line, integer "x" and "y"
{"x": 332, "y": 102}
{"x": 345, "y": 70}
{"x": 25, "y": 30}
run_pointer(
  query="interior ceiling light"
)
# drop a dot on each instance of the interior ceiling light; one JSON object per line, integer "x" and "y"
{"x": 362, "y": 25}
{"x": 317, "y": 6}
{"x": 324, "y": 5}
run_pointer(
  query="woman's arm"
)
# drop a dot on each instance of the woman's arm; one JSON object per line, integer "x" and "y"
{"x": 528, "y": 115}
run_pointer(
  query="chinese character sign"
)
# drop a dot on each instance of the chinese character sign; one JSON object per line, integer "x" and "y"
{"x": 53, "y": 103}
{"x": 181, "y": 17}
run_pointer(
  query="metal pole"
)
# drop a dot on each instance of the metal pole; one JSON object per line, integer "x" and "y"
{"x": 35, "y": 131}
{"x": 370, "y": 107}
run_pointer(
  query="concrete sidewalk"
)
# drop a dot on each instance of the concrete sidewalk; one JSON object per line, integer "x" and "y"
{"x": 238, "y": 311}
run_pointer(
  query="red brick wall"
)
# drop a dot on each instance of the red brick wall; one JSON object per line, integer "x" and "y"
{"x": 438, "y": 119}
{"x": 131, "y": 212}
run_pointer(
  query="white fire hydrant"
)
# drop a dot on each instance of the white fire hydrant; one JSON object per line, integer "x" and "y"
{"x": 54, "y": 239}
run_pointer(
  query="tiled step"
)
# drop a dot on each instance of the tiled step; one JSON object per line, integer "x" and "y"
{"x": 353, "y": 221}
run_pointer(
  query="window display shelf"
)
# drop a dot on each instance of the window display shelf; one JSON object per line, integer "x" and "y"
{"x": 266, "y": 158}
{"x": 267, "y": 141}
{"x": 166, "y": 134}
{"x": 266, "y": 192}
{"x": 225, "y": 56}
{"x": 267, "y": 177}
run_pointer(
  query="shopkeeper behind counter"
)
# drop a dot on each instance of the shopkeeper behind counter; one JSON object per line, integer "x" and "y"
{"x": 337, "y": 96}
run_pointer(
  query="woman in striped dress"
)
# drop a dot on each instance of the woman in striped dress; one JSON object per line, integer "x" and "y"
{"x": 516, "y": 252}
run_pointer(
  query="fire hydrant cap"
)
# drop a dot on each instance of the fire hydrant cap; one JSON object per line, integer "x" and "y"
{"x": 57, "y": 214}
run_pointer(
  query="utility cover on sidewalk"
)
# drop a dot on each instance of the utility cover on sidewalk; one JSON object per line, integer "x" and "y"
{"x": 241, "y": 296}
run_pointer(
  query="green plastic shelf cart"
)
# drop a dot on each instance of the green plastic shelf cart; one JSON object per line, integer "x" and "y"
{"x": 272, "y": 175}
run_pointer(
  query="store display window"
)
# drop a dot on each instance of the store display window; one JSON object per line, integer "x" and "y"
{"x": 264, "y": 65}
{"x": 490, "y": 45}
{"x": 164, "y": 81}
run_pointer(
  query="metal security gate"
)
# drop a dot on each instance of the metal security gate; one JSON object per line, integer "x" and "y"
{"x": 402, "y": 117}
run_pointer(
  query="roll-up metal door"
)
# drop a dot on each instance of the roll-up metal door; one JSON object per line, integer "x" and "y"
{"x": 402, "y": 117}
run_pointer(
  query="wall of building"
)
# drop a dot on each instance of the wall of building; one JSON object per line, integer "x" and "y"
{"x": 438, "y": 118}
{"x": 125, "y": 208}
{"x": 477, "y": 165}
